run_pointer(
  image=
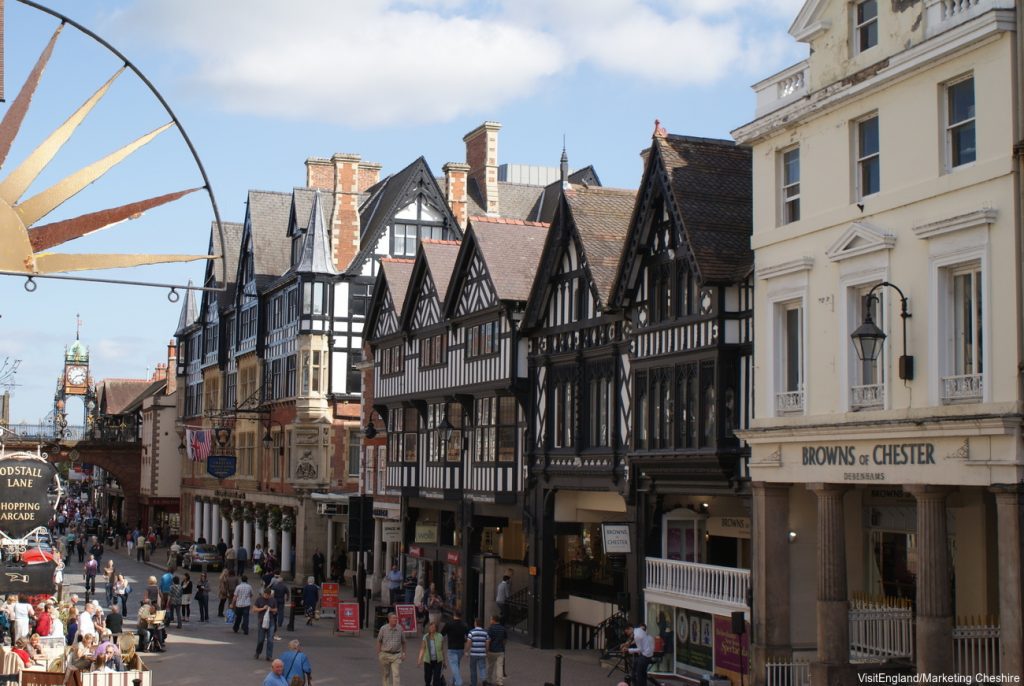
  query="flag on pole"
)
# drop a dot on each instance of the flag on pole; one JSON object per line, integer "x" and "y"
{"x": 198, "y": 444}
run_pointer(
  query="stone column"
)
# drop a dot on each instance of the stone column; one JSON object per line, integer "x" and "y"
{"x": 260, "y": 537}
{"x": 208, "y": 522}
{"x": 770, "y": 577}
{"x": 1010, "y": 532}
{"x": 236, "y": 534}
{"x": 247, "y": 539}
{"x": 225, "y": 528}
{"x": 197, "y": 519}
{"x": 286, "y": 552}
{"x": 833, "y": 607}
{"x": 329, "y": 553}
{"x": 272, "y": 542}
{"x": 934, "y": 594}
{"x": 215, "y": 533}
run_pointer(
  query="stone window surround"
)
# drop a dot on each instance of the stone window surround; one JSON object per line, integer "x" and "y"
{"x": 787, "y": 282}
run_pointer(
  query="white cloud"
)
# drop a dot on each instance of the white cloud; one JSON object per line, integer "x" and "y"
{"x": 381, "y": 62}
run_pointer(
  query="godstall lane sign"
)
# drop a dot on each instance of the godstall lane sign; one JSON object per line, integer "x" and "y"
{"x": 25, "y": 504}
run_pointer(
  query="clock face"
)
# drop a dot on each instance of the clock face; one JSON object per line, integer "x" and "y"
{"x": 77, "y": 375}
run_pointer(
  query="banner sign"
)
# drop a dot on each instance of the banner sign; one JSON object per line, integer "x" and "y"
{"x": 221, "y": 466}
{"x": 391, "y": 532}
{"x": 25, "y": 482}
{"x": 406, "y": 617}
{"x": 348, "y": 617}
{"x": 732, "y": 651}
{"x": 328, "y": 599}
{"x": 616, "y": 538}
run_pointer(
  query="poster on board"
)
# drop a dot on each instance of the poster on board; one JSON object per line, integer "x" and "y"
{"x": 329, "y": 599}
{"x": 348, "y": 617}
{"x": 406, "y": 617}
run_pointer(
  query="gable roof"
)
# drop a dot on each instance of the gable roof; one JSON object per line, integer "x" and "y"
{"x": 315, "y": 257}
{"x": 117, "y": 395}
{"x": 189, "y": 312}
{"x": 438, "y": 258}
{"x": 268, "y": 213}
{"x": 710, "y": 183}
{"x": 511, "y": 249}
{"x": 808, "y": 22}
{"x": 302, "y": 206}
{"x": 385, "y": 198}
{"x": 601, "y": 217}
{"x": 393, "y": 278}
{"x": 525, "y": 201}
{"x": 232, "y": 244}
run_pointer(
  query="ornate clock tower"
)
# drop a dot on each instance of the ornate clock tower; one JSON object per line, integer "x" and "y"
{"x": 74, "y": 380}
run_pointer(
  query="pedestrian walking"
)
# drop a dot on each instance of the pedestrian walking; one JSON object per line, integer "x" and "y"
{"x": 276, "y": 675}
{"x": 242, "y": 558}
{"x": 108, "y": 571}
{"x": 476, "y": 648}
{"x": 390, "y": 650}
{"x": 187, "y": 589}
{"x": 90, "y": 570}
{"x": 432, "y": 656}
{"x": 318, "y": 566}
{"x": 280, "y": 590}
{"x": 504, "y": 594}
{"x": 266, "y": 609}
{"x": 395, "y": 580}
{"x": 203, "y": 597}
{"x": 140, "y": 548}
{"x": 80, "y": 548}
{"x": 296, "y": 664}
{"x": 231, "y": 560}
{"x": 152, "y": 593}
{"x": 455, "y": 633}
{"x": 310, "y": 598}
{"x": 257, "y": 557}
{"x": 165, "y": 587}
{"x": 241, "y": 602}
{"x": 340, "y": 566}
{"x": 435, "y": 606}
{"x": 174, "y": 602}
{"x": 496, "y": 637}
{"x": 225, "y": 588}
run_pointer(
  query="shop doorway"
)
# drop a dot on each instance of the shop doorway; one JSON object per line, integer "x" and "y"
{"x": 892, "y": 566}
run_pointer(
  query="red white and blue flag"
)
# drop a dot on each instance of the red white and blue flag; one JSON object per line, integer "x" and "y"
{"x": 198, "y": 444}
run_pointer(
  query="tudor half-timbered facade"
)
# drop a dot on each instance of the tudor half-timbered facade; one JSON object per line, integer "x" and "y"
{"x": 685, "y": 286}
{"x": 450, "y": 375}
{"x": 579, "y": 416}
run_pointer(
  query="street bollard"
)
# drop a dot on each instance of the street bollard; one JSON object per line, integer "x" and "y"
{"x": 558, "y": 670}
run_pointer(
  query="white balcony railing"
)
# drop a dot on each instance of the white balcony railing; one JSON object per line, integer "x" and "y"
{"x": 795, "y": 673}
{"x": 726, "y": 585}
{"x": 780, "y": 89}
{"x": 943, "y": 15}
{"x": 965, "y": 388}
{"x": 790, "y": 402}
{"x": 871, "y": 396}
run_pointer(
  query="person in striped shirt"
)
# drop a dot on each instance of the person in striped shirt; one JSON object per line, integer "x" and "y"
{"x": 476, "y": 648}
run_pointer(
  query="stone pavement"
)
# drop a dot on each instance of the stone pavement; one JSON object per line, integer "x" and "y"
{"x": 213, "y": 654}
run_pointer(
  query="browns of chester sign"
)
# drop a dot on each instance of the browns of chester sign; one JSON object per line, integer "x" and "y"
{"x": 25, "y": 481}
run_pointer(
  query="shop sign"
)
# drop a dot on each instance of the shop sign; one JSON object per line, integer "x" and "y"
{"x": 329, "y": 599}
{"x": 27, "y": 579}
{"x": 25, "y": 506}
{"x": 453, "y": 557}
{"x": 385, "y": 511}
{"x": 221, "y": 466}
{"x": 348, "y": 617}
{"x": 426, "y": 533}
{"x": 391, "y": 532}
{"x": 406, "y": 617}
{"x": 415, "y": 551}
{"x": 878, "y": 455}
{"x": 695, "y": 639}
{"x": 732, "y": 652}
{"x": 616, "y": 538}
{"x": 733, "y": 527}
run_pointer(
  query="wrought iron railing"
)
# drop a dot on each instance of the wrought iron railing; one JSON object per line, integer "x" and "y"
{"x": 966, "y": 387}
{"x": 881, "y": 629}
{"x": 976, "y": 647}
{"x": 787, "y": 673}
{"x": 867, "y": 396}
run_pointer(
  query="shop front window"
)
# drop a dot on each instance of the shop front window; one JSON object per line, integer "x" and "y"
{"x": 661, "y": 625}
{"x": 684, "y": 538}
{"x": 453, "y": 588}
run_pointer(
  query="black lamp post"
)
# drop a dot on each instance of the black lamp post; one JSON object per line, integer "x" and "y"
{"x": 868, "y": 338}
{"x": 445, "y": 428}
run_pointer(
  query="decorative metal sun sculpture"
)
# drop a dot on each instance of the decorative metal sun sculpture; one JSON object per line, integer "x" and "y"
{"x": 25, "y": 243}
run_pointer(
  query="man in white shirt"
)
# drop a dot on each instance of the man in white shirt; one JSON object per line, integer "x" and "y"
{"x": 503, "y": 596}
{"x": 642, "y": 650}
{"x": 85, "y": 623}
{"x": 241, "y": 602}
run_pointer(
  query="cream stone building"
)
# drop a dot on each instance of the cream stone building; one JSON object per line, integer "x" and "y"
{"x": 887, "y": 493}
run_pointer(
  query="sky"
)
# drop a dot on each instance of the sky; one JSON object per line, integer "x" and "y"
{"x": 261, "y": 85}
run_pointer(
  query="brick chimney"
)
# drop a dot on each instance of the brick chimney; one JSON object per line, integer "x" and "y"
{"x": 320, "y": 174}
{"x": 455, "y": 179}
{"x": 482, "y": 158}
{"x": 172, "y": 368}
{"x": 159, "y": 372}
{"x": 369, "y": 174}
{"x": 345, "y": 231}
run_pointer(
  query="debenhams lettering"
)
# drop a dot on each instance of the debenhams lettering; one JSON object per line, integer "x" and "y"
{"x": 881, "y": 455}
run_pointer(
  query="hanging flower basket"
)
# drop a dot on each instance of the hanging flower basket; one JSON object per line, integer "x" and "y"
{"x": 287, "y": 522}
{"x": 237, "y": 513}
{"x": 249, "y": 515}
{"x": 274, "y": 518}
{"x": 261, "y": 518}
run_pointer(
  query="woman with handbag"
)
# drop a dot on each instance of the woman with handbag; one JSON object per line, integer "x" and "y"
{"x": 203, "y": 597}
{"x": 187, "y": 589}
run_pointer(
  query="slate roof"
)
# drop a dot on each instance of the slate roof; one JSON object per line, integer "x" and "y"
{"x": 189, "y": 310}
{"x": 511, "y": 250}
{"x": 397, "y": 272}
{"x": 602, "y": 217}
{"x": 268, "y": 213}
{"x": 233, "y": 241}
{"x": 302, "y": 205}
{"x": 710, "y": 180}
{"x": 116, "y": 395}
{"x": 441, "y": 256}
{"x": 515, "y": 200}
{"x": 315, "y": 257}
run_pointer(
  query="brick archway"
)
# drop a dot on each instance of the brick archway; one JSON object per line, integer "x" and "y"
{"x": 123, "y": 462}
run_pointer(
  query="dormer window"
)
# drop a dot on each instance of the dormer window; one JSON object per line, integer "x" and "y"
{"x": 296, "y": 247}
{"x": 865, "y": 30}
